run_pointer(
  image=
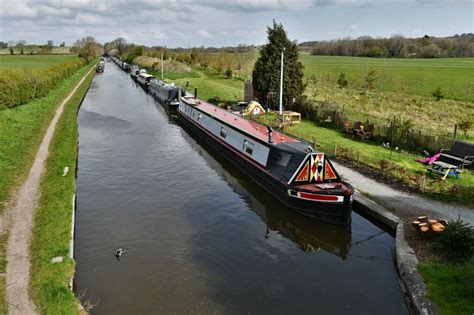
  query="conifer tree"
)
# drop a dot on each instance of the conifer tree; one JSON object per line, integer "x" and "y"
{"x": 266, "y": 72}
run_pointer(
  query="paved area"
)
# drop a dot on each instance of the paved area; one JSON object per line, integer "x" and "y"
{"x": 404, "y": 205}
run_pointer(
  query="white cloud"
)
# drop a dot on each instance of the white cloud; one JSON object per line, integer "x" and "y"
{"x": 205, "y": 34}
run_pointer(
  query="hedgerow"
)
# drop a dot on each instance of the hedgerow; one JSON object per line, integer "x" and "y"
{"x": 18, "y": 87}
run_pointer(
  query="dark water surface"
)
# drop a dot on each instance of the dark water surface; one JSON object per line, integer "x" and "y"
{"x": 200, "y": 237}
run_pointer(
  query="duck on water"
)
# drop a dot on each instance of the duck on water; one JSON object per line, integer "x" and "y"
{"x": 288, "y": 168}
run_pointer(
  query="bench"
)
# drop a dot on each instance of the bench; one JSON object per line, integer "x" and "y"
{"x": 461, "y": 154}
{"x": 444, "y": 169}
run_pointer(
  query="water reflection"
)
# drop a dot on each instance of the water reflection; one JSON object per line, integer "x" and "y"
{"x": 310, "y": 235}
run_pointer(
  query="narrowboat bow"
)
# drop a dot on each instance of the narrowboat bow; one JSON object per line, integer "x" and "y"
{"x": 293, "y": 172}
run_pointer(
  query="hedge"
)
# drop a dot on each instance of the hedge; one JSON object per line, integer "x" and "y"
{"x": 18, "y": 87}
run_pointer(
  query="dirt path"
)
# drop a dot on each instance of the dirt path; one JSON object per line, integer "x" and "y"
{"x": 405, "y": 205}
{"x": 20, "y": 218}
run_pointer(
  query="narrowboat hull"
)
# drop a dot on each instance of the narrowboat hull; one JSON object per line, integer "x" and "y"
{"x": 333, "y": 212}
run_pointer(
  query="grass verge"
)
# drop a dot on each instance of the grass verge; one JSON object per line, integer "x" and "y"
{"x": 23, "y": 129}
{"x": 450, "y": 286}
{"x": 52, "y": 223}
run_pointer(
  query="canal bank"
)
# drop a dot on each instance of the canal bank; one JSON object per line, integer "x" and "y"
{"x": 27, "y": 138}
{"x": 199, "y": 236}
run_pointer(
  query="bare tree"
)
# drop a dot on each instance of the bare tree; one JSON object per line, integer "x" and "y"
{"x": 121, "y": 45}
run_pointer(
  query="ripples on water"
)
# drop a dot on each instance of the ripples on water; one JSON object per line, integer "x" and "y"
{"x": 199, "y": 236}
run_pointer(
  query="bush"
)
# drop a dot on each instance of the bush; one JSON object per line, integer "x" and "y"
{"x": 18, "y": 87}
{"x": 457, "y": 241}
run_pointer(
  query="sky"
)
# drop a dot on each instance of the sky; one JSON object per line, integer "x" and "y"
{"x": 175, "y": 23}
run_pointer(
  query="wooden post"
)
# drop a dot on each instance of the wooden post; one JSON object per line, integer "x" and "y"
{"x": 455, "y": 131}
{"x": 314, "y": 143}
{"x": 335, "y": 149}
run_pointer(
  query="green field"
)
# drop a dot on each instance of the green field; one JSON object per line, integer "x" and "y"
{"x": 40, "y": 62}
{"x": 35, "y": 49}
{"x": 455, "y": 76}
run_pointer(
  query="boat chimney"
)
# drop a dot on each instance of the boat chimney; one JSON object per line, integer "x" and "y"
{"x": 270, "y": 133}
{"x": 195, "y": 92}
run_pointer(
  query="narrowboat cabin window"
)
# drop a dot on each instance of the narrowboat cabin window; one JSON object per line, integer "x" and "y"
{"x": 199, "y": 117}
{"x": 223, "y": 132}
{"x": 248, "y": 147}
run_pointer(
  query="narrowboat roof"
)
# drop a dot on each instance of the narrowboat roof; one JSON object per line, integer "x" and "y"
{"x": 248, "y": 126}
{"x": 146, "y": 75}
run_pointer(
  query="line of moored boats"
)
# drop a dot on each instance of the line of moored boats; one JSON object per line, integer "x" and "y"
{"x": 292, "y": 171}
{"x": 166, "y": 94}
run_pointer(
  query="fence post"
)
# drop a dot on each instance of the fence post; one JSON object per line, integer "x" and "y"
{"x": 314, "y": 143}
{"x": 455, "y": 131}
{"x": 335, "y": 149}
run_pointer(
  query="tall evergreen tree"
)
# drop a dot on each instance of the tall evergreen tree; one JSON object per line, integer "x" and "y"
{"x": 266, "y": 72}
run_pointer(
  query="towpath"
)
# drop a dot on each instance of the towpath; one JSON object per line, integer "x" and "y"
{"x": 403, "y": 204}
{"x": 20, "y": 224}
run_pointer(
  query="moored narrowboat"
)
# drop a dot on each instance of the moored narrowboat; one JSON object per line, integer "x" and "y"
{"x": 144, "y": 79}
{"x": 303, "y": 179}
{"x": 134, "y": 71}
{"x": 166, "y": 94}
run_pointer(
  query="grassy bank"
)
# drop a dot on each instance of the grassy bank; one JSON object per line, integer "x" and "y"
{"x": 26, "y": 78}
{"x": 52, "y": 224}
{"x": 450, "y": 286}
{"x": 23, "y": 129}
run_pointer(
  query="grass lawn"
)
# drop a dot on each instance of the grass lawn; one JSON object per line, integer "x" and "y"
{"x": 335, "y": 143}
{"x": 38, "y": 62}
{"x": 52, "y": 224}
{"x": 451, "y": 287}
{"x": 414, "y": 76}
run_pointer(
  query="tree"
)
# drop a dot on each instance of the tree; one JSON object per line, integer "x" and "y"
{"x": 63, "y": 44}
{"x": 465, "y": 124}
{"x": 87, "y": 48}
{"x": 121, "y": 45}
{"x": 12, "y": 52}
{"x": 369, "y": 79}
{"x": 21, "y": 51}
{"x": 20, "y": 43}
{"x": 50, "y": 43}
{"x": 266, "y": 72}
{"x": 342, "y": 82}
{"x": 135, "y": 52}
{"x": 438, "y": 93}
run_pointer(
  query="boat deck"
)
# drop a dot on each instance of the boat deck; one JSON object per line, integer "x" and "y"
{"x": 250, "y": 127}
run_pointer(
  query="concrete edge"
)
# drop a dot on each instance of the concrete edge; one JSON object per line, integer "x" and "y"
{"x": 407, "y": 269}
{"x": 376, "y": 211}
{"x": 406, "y": 261}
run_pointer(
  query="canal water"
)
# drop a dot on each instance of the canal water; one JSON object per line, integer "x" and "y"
{"x": 199, "y": 236}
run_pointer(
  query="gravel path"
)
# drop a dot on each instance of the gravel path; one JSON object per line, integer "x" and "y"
{"x": 404, "y": 205}
{"x": 20, "y": 216}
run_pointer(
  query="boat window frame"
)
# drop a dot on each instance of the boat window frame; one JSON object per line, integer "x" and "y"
{"x": 248, "y": 146}
{"x": 223, "y": 132}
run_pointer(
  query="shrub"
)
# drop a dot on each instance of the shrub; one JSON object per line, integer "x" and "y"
{"x": 341, "y": 81}
{"x": 438, "y": 94}
{"x": 18, "y": 87}
{"x": 457, "y": 241}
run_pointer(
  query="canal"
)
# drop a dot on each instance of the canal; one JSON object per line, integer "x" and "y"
{"x": 199, "y": 236}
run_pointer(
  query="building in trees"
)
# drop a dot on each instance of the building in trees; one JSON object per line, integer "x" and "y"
{"x": 266, "y": 72}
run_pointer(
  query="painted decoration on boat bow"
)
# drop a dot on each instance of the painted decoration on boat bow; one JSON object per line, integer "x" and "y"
{"x": 315, "y": 168}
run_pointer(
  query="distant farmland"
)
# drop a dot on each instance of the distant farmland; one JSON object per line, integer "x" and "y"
{"x": 37, "y": 62}
{"x": 455, "y": 76}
